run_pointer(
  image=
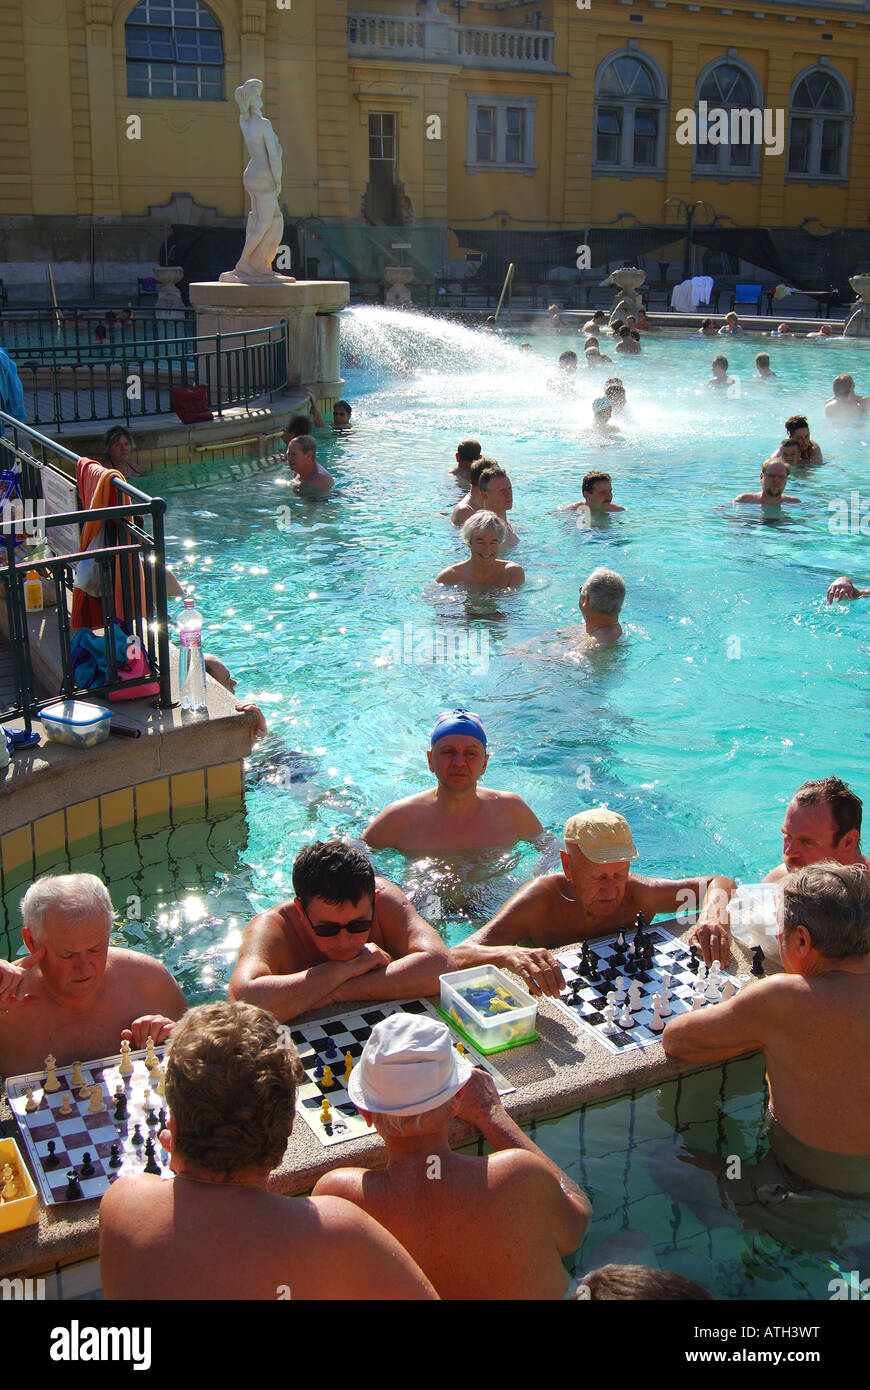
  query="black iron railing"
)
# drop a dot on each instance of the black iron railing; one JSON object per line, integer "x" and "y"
{"x": 131, "y": 381}
{"x": 80, "y": 330}
{"x": 130, "y": 564}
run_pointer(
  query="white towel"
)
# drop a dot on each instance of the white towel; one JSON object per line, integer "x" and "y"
{"x": 702, "y": 288}
{"x": 681, "y": 297}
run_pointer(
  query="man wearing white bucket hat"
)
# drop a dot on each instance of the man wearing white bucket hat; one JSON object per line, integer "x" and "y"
{"x": 593, "y": 896}
{"x": 494, "y": 1227}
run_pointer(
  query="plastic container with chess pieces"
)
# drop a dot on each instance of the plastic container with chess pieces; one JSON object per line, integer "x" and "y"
{"x": 753, "y": 913}
{"x": 488, "y": 1009}
{"x": 23, "y": 1210}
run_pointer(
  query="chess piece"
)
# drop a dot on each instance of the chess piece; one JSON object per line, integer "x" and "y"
{"x": 151, "y": 1058}
{"x": 29, "y": 1103}
{"x": 592, "y": 970}
{"x": 115, "y": 1158}
{"x": 77, "y": 1078}
{"x": 757, "y": 967}
{"x": 327, "y": 1078}
{"x": 73, "y": 1186}
{"x": 121, "y": 1109}
{"x": 331, "y": 1051}
{"x": 609, "y": 1014}
{"x": 9, "y": 1188}
{"x": 635, "y": 996}
{"x": 665, "y": 1009}
{"x": 656, "y": 1023}
{"x": 619, "y": 948}
{"x": 159, "y": 1079}
{"x": 97, "y": 1104}
{"x": 66, "y": 1105}
{"x": 325, "y": 1112}
{"x": 666, "y": 982}
{"x": 460, "y": 1048}
{"x": 711, "y": 993}
{"x": 697, "y": 1002}
{"x": 693, "y": 959}
{"x": 625, "y": 1018}
{"x": 161, "y": 1118}
{"x": 50, "y": 1160}
{"x": 137, "y": 1136}
{"x": 729, "y": 988}
{"x": 126, "y": 1066}
{"x": 151, "y": 1164}
{"x": 348, "y": 1066}
{"x": 87, "y": 1168}
{"x": 318, "y": 1070}
{"x": 620, "y": 988}
{"x": 51, "y": 1083}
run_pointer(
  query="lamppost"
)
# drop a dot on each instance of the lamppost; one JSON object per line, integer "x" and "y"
{"x": 688, "y": 210}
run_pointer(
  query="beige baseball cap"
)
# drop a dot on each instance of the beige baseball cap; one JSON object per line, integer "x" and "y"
{"x": 602, "y": 835}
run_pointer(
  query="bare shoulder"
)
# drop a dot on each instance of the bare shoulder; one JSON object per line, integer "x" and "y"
{"x": 340, "y": 1182}
{"x": 130, "y": 1198}
{"x": 448, "y": 576}
{"x": 514, "y": 573}
{"x": 513, "y": 1168}
{"x": 136, "y": 964}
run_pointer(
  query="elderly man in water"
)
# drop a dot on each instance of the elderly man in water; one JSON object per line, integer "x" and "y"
{"x": 302, "y": 458}
{"x": 344, "y": 935}
{"x": 484, "y": 533}
{"x": 511, "y": 1213}
{"x": 457, "y": 814}
{"x": 813, "y": 1025}
{"x": 822, "y": 821}
{"x": 594, "y": 895}
{"x": 74, "y": 995}
{"x": 231, "y": 1083}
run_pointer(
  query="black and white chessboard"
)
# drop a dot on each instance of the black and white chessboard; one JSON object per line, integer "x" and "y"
{"x": 669, "y": 954}
{"x": 81, "y": 1132}
{"x": 349, "y": 1033}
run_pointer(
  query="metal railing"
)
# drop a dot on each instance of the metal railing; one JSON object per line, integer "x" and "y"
{"x": 138, "y": 380}
{"x": 33, "y": 330}
{"x": 132, "y": 558}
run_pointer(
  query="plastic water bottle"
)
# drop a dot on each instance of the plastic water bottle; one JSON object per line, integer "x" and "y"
{"x": 191, "y": 670}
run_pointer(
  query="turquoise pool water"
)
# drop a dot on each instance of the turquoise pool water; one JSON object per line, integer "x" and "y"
{"x": 735, "y": 681}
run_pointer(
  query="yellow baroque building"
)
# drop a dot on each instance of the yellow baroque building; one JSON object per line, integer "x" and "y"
{"x": 118, "y": 115}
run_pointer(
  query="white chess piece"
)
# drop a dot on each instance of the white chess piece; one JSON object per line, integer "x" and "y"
{"x": 126, "y": 1067}
{"x": 656, "y": 1024}
{"x": 625, "y": 1018}
{"x": 666, "y": 983}
{"x": 729, "y": 987}
{"x": 51, "y": 1083}
{"x": 77, "y": 1078}
{"x": 666, "y": 1009}
{"x": 711, "y": 993}
{"x": 635, "y": 996}
{"x": 697, "y": 1002}
{"x": 97, "y": 1104}
{"x": 609, "y": 1012}
{"x": 620, "y": 988}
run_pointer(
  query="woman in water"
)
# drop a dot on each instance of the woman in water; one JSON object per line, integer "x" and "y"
{"x": 484, "y": 533}
{"x": 118, "y": 448}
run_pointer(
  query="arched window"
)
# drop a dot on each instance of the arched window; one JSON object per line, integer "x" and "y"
{"x": 174, "y": 49}
{"x": 731, "y": 88}
{"x": 630, "y": 115}
{"x": 818, "y": 138}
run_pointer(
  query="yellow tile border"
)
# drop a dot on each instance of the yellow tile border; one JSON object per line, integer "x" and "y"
{"x": 82, "y": 820}
{"x": 225, "y": 782}
{"x": 116, "y": 808}
{"x": 49, "y": 834}
{"x": 152, "y": 799}
{"x": 188, "y": 789}
{"x": 16, "y": 853}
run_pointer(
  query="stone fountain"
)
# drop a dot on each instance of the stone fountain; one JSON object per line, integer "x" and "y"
{"x": 628, "y": 281}
{"x": 858, "y": 325}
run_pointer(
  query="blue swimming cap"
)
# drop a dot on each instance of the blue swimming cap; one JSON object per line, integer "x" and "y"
{"x": 458, "y": 721}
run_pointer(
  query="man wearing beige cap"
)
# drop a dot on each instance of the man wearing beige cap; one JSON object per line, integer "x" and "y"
{"x": 593, "y": 896}
{"x": 494, "y": 1227}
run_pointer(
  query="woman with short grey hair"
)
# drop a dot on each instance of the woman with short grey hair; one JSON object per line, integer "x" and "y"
{"x": 484, "y": 533}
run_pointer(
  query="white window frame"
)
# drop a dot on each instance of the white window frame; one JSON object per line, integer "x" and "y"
{"x": 500, "y": 165}
{"x": 626, "y": 168}
{"x": 816, "y": 118}
{"x": 721, "y": 170}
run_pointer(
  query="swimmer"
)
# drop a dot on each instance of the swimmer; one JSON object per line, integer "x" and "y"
{"x": 627, "y": 343}
{"x": 781, "y": 331}
{"x": 788, "y": 451}
{"x": 774, "y": 476}
{"x": 341, "y": 413}
{"x": 593, "y": 357}
{"x": 601, "y": 598}
{"x": 525, "y": 347}
{"x": 597, "y": 322}
{"x": 595, "y": 894}
{"x": 843, "y": 591}
{"x": 797, "y": 428}
{"x": 731, "y": 325}
{"x": 222, "y": 674}
{"x": 602, "y": 409}
{"x": 762, "y": 367}
{"x": 498, "y": 497}
{"x": 564, "y": 382}
{"x": 845, "y": 405}
{"x": 812, "y": 1024}
{"x": 707, "y": 327}
{"x": 597, "y": 495}
{"x": 643, "y": 322}
{"x": 720, "y": 378}
{"x": 467, "y": 453}
{"x": 615, "y": 325}
{"x": 484, "y": 534}
{"x": 302, "y": 458}
{"x": 615, "y": 393}
{"x": 118, "y": 447}
{"x": 826, "y": 331}
{"x": 822, "y": 821}
{"x": 556, "y": 320}
{"x": 456, "y": 814}
{"x": 473, "y": 501}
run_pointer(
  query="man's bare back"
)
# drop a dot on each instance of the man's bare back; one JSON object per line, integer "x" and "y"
{"x": 190, "y": 1239}
{"x": 134, "y": 985}
{"x": 420, "y": 825}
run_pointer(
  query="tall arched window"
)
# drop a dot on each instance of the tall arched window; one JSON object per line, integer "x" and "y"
{"x": 174, "y": 49}
{"x": 728, "y": 86}
{"x": 630, "y": 115}
{"x": 818, "y": 138}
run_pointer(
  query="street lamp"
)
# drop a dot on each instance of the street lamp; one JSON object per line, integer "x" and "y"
{"x": 688, "y": 210}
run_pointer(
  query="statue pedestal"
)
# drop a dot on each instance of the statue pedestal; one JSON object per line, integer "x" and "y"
{"x": 398, "y": 278}
{"x": 310, "y": 307}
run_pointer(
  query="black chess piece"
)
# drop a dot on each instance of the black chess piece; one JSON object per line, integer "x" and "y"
{"x": 583, "y": 962}
{"x": 592, "y": 968}
{"x": 757, "y": 967}
{"x": 151, "y": 1164}
{"x": 50, "y": 1160}
{"x": 115, "y": 1158}
{"x": 73, "y": 1186}
{"x": 121, "y": 1108}
{"x": 161, "y": 1117}
{"x": 151, "y": 1116}
{"x": 137, "y": 1136}
{"x": 87, "y": 1169}
{"x": 619, "y": 946}
{"x": 693, "y": 959}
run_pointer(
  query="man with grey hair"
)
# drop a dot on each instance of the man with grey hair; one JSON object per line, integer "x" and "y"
{"x": 302, "y": 458}
{"x": 512, "y": 1214}
{"x": 75, "y": 995}
{"x": 813, "y": 1025}
{"x": 601, "y": 598}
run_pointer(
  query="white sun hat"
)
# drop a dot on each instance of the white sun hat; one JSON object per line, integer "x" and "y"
{"x": 408, "y": 1066}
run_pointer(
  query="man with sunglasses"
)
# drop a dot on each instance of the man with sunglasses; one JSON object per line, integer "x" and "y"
{"x": 346, "y": 935}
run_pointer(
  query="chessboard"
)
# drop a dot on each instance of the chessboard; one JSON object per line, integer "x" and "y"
{"x": 84, "y": 1133}
{"x": 326, "y": 1043}
{"x": 644, "y": 959}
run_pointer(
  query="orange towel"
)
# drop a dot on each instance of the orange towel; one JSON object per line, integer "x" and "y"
{"x": 96, "y": 489}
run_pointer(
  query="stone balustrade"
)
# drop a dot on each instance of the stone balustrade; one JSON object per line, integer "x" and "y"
{"x": 477, "y": 46}
{"x": 437, "y": 38}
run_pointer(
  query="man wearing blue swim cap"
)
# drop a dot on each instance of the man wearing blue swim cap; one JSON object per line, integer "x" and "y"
{"x": 457, "y": 814}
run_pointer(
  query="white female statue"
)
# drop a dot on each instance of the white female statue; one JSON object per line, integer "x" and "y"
{"x": 262, "y": 179}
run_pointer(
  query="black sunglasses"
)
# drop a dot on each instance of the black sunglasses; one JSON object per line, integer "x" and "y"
{"x": 356, "y": 928}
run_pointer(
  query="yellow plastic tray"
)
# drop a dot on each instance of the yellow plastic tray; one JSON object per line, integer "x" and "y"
{"x": 24, "y": 1210}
